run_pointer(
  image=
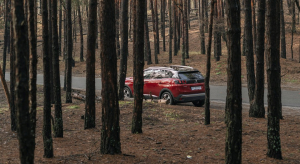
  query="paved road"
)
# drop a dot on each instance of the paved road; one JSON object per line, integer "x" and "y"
{"x": 218, "y": 93}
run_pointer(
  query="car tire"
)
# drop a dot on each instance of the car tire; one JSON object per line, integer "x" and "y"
{"x": 166, "y": 96}
{"x": 127, "y": 92}
{"x": 198, "y": 103}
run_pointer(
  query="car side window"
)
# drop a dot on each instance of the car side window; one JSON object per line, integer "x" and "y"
{"x": 157, "y": 74}
{"x": 148, "y": 74}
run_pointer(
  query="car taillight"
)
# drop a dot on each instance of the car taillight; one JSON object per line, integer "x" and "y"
{"x": 180, "y": 81}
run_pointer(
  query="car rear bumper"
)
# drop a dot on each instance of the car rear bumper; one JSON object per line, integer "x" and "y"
{"x": 190, "y": 97}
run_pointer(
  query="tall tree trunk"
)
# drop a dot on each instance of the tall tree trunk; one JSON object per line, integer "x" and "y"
{"x": 117, "y": 10}
{"x": 249, "y": 50}
{"x": 32, "y": 66}
{"x": 257, "y": 108}
{"x": 183, "y": 33}
{"x": 253, "y": 4}
{"x": 124, "y": 48}
{"x": 186, "y": 28}
{"x": 69, "y": 53}
{"x": 170, "y": 30}
{"x": 233, "y": 109}
{"x": 138, "y": 66}
{"x": 163, "y": 24}
{"x": 65, "y": 49}
{"x": 6, "y": 33}
{"x": 147, "y": 40}
{"x": 60, "y": 26}
{"x": 175, "y": 16}
{"x": 156, "y": 28}
{"x": 47, "y": 137}
{"x": 208, "y": 66}
{"x": 273, "y": 78}
{"x": 201, "y": 25}
{"x": 282, "y": 32}
{"x": 90, "y": 119}
{"x": 81, "y": 32}
{"x": 58, "y": 123}
{"x": 50, "y": 50}
{"x": 155, "y": 32}
{"x": 25, "y": 137}
{"x": 110, "y": 133}
{"x": 12, "y": 79}
{"x": 217, "y": 34}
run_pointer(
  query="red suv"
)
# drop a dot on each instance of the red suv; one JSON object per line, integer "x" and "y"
{"x": 177, "y": 83}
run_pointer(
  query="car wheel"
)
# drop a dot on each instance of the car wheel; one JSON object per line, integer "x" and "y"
{"x": 127, "y": 92}
{"x": 168, "y": 96}
{"x": 199, "y": 103}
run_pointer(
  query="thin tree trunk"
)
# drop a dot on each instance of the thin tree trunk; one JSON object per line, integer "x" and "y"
{"x": 273, "y": 78}
{"x": 12, "y": 80}
{"x": 156, "y": 29}
{"x": 154, "y": 32}
{"x": 60, "y": 27}
{"x": 183, "y": 33}
{"x": 249, "y": 50}
{"x": 110, "y": 132}
{"x": 147, "y": 40}
{"x": 47, "y": 137}
{"x": 137, "y": 121}
{"x": 253, "y": 4}
{"x": 217, "y": 34}
{"x": 175, "y": 15}
{"x": 208, "y": 66}
{"x": 124, "y": 48}
{"x": 6, "y": 33}
{"x": 201, "y": 25}
{"x": 3, "y": 81}
{"x": 58, "y": 121}
{"x": 257, "y": 108}
{"x": 32, "y": 66}
{"x": 50, "y": 50}
{"x": 233, "y": 109}
{"x": 90, "y": 119}
{"x": 170, "y": 30}
{"x": 282, "y": 32}
{"x": 69, "y": 53}
{"x": 117, "y": 10}
{"x": 186, "y": 28}
{"x": 163, "y": 24}
{"x": 81, "y": 33}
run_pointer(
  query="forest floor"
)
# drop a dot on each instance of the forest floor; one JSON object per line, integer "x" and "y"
{"x": 171, "y": 134}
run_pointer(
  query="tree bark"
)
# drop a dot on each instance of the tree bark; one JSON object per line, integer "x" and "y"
{"x": 89, "y": 119}
{"x": 186, "y": 28}
{"x": 233, "y": 109}
{"x": 81, "y": 32}
{"x": 155, "y": 32}
{"x": 58, "y": 121}
{"x": 12, "y": 80}
{"x": 32, "y": 66}
{"x": 110, "y": 133}
{"x": 253, "y": 4}
{"x": 170, "y": 30}
{"x": 47, "y": 137}
{"x": 25, "y": 137}
{"x": 117, "y": 10}
{"x": 124, "y": 48}
{"x": 147, "y": 40}
{"x": 163, "y": 24}
{"x": 69, "y": 53}
{"x": 201, "y": 25}
{"x": 257, "y": 108}
{"x": 60, "y": 27}
{"x": 249, "y": 50}
{"x": 50, "y": 49}
{"x": 282, "y": 32}
{"x": 273, "y": 78}
{"x": 175, "y": 16}
{"x": 6, "y": 33}
{"x": 217, "y": 33}
{"x": 208, "y": 66}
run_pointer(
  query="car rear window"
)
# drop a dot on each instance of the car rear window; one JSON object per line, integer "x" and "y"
{"x": 190, "y": 75}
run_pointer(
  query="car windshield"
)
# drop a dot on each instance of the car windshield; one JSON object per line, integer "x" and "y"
{"x": 190, "y": 75}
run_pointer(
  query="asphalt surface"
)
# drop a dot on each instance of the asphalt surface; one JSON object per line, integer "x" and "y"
{"x": 218, "y": 93}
